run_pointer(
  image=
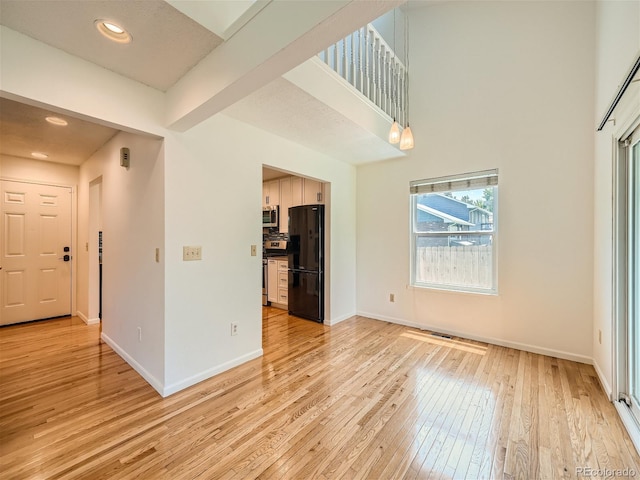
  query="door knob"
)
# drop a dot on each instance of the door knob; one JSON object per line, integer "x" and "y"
{"x": 66, "y": 258}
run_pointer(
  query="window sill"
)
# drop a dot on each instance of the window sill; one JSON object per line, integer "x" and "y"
{"x": 434, "y": 288}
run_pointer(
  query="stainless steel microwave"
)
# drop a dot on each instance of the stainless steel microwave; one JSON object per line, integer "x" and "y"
{"x": 270, "y": 216}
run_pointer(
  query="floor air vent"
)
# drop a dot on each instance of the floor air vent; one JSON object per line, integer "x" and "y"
{"x": 441, "y": 335}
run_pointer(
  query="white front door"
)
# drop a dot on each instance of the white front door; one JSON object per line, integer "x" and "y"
{"x": 35, "y": 275}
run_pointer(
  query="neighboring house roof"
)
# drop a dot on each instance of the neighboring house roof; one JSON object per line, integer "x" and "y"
{"x": 447, "y": 205}
{"x": 444, "y": 216}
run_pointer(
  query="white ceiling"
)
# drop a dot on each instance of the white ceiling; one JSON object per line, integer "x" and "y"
{"x": 167, "y": 43}
{"x": 23, "y": 130}
{"x": 286, "y": 110}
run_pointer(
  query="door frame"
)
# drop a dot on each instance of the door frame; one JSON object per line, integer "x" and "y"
{"x": 74, "y": 230}
{"x": 620, "y": 279}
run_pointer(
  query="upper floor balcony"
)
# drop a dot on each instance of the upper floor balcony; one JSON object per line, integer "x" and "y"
{"x": 342, "y": 101}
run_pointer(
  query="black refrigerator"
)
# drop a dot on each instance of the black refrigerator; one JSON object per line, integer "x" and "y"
{"x": 306, "y": 262}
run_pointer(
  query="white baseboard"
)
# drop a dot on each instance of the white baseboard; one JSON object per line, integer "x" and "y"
{"x": 335, "y": 321}
{"x": 210, "y": 372}
{"x": 494, "y": 341}
{"x": 88, "y": 321}
{"x": 151, "y": 380}
{"x": 603, "y": 381}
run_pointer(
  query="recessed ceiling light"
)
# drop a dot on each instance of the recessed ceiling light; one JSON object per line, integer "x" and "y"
{"x": 57, "y": 121}
{"x": 114, "y": 28}
{"x": 39, "y": 155}
{"x": 113, "y": 31}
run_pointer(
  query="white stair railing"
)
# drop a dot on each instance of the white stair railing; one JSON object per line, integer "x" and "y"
{"x": 369, "y": 64}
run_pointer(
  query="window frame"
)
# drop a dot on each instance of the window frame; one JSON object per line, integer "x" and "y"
{"x": 459, "y": 179}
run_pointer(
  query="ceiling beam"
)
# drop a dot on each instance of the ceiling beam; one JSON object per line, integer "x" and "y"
{"x": 280, "y": 37}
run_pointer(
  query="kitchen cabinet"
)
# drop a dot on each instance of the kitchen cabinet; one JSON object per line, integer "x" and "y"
{"x": 285, "y": 203}
{"x": 272, "y": 280}
{"x": 278, "y": 281}
{"x": 296, "y": 191}
{"x": 312, "y": 192}
{"x": 291, "y": 192}
{"x": 283, "y": 282}
{"x": 271, "y": 193}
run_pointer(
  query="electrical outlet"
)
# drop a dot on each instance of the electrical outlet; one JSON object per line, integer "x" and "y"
{"x": 600, "y": 337}
{"x": 191, "y": 253}
{"x": 392, "y": 297}
{"x": 234, "y": 328}
{"x": 139, "y": 334}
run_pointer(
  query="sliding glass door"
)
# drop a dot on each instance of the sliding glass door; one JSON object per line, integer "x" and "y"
{"x": 627, "y": 282}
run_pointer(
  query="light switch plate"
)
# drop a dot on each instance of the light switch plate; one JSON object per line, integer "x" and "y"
{"x": 254, "y": 250}
{"x": 191, "y": 253}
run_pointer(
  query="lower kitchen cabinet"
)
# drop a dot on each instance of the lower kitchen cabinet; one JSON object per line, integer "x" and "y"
{"x": 278, "y": 281}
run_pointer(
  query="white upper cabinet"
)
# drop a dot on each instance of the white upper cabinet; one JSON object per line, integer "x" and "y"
{"x": 312, "y": 192}
{"x": 285, "y": 203}
{"x": 291, "y": 192}
{"x": 271, "y": 193}
{"x": 296, "y": 191}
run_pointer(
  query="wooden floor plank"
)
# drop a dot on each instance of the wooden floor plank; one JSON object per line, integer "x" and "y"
{"x": 363, "y": 399}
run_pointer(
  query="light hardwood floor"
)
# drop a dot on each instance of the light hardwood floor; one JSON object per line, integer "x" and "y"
{"x": 361, "y": 400}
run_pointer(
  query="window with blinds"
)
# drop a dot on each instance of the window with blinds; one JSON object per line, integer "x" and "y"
{"x": 454, "y": 232}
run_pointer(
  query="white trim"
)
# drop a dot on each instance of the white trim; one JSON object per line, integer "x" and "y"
{"x": 82, "y": 317}
{"x": 629, "y": 422}
{"x": 603, "y": 381}
{"x": 336, "y": 320}
{"x": 35, "y": 182}
{"x": 494, "y": 341}
{"x": 187, "y": 382}
{"x": 150, "y": 379}
{"x": 88, "y": 321}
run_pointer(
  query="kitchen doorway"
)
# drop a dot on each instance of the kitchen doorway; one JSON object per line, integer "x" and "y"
{"x": 282, "y": 190}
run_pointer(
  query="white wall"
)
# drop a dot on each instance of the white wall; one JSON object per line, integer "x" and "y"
{"x": 505, "y": 85}
{"x": 213, "y": 198}
{"x": 133, "y": 226}
{"x": 212, "y": 182}
{"x": 617, "y": 46}
{"x": 16, "y": 168}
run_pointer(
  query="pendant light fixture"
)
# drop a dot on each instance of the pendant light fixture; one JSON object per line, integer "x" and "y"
{"x": 394, "y": 133}
{"x": 406, "y": 139}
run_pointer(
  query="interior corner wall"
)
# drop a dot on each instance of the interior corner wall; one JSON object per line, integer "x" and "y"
{"x": 213, "y": 200}
{"x": 206, "y": 191}
{"x": 617, "y": 47}
{"x": 132, "y": 203}
{"x": 505, "y": 85}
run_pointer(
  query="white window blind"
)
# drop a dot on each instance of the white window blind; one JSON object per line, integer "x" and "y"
{"x": 484, "y": 179}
